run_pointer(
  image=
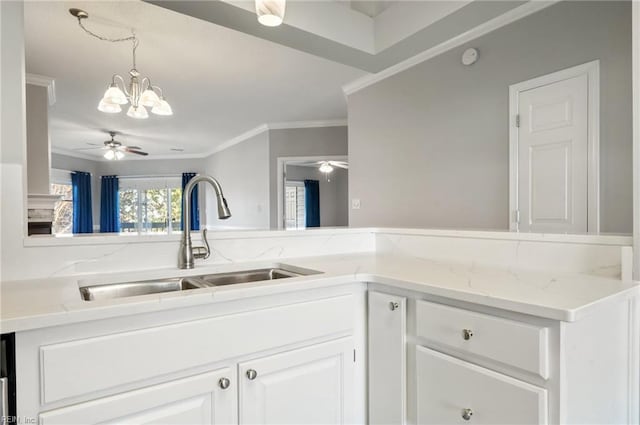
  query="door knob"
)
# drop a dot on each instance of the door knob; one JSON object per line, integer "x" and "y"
{"x": 393, "y": 306}
{"x": 252, "y": 374}
{"x": 466, "y": 414}
{"x": 224, "y": 383}
{"x": 467, "y": 334}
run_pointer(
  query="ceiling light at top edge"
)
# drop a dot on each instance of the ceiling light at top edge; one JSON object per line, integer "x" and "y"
{"x": 270, "y": 12}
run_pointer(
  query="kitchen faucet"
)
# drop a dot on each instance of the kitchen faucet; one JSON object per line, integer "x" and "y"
{"x": 188, "y": 253}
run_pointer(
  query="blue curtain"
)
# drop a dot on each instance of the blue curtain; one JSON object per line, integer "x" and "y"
{"x": 312, "y": 203}
{"x": 109, "y": 205}
{"x": 195, "y": 213}
{"x": 82, "y": 214}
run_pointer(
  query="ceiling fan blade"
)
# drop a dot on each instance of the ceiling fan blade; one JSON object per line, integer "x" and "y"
{"x": 136, "y": 152}
{"x": 339, "y": 164}
{"x": 137, "y": 148}
{"x": 87, "y": 149}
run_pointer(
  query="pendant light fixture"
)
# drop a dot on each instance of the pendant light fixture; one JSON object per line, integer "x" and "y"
{"x": 270, "y": 12}
{"x": 138, "y": 92}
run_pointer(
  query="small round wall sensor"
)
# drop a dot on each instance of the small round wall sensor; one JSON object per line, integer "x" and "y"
{"x": 470, "y": 56}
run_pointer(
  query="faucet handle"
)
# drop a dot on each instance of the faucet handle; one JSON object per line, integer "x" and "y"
{"x": 202, "y": 251}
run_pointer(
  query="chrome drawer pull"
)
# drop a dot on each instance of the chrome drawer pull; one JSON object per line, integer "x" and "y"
{"x": 393, "y": 306}
{"x": 467, "y": 334}
{"x": 466, "y": 414}
{"x": 224, "y": 383}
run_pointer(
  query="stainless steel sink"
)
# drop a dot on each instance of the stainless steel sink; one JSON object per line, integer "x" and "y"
{"x": 131, "y": 289}
{"x": 220, "y": 279}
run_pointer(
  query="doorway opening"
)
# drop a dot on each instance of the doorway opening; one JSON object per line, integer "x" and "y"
{"x": 312, "y": 192}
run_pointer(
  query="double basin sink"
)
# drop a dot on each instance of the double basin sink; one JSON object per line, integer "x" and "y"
{"x": 131, "y": 289}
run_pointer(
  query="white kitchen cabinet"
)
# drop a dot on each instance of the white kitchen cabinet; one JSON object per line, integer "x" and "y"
{"x": 166, "y": 367}
{"x": 312, "y": 385}
{"x": 387, "y": 358}
{"x": 504, "y": 367}
{"x": 206, "y": 398}
{"x": 451, "y": 391}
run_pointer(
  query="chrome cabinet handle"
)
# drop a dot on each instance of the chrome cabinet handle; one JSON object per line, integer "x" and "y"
{"x": 252, "y": 374}
{"x": 466, "y": 414}
{"x": 467, "y": 334}
{"x": 224, "y": 383}
{"x": 393, "y": 306}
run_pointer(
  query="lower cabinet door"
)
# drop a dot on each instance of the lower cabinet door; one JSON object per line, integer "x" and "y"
{"x": 452, "y": 391}
{"x": 312, "y": 385}
{"x": 207, "y": 398}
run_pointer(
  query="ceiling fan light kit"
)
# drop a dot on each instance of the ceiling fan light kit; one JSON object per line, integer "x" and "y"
{"x": 139, "y": 92}
{"x": 325, "y": 167}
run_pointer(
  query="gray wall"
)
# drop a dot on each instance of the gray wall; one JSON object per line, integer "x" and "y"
{"x": 37, "y": 116}
{"x": 243, "y": 172}
{"x": 333, "y": 193}
{"x": 320, "y": 141}
{"x": 429, "y": 146}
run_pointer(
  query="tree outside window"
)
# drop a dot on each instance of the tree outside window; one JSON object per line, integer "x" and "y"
{"x": 63, "y": 211}
{"x": 155, "y": 210}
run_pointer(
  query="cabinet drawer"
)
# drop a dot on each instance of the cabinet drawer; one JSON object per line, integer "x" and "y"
{"x": 80, "y": 367}
{"x": 510, "y": 342}
{"x": 452, "y": 391}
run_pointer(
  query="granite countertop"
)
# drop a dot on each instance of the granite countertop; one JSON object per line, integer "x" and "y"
{"x": 33, "y": 304}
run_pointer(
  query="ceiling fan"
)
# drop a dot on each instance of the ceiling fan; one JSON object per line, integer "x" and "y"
{"x": 116, "y": 150}
{"x": 327, "y": 166}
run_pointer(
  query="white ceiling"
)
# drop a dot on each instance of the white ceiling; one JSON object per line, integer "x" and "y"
{"x": 220, "y": 82}
{"x": 371, "y": 8}
{"x": 343, "y": 30}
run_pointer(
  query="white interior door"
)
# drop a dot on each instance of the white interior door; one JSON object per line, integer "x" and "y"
{"x": 312, "y": 385}
{"x": 553, "y": 157}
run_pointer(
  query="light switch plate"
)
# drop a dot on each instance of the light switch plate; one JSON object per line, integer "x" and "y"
{"x": 355, "y": 204}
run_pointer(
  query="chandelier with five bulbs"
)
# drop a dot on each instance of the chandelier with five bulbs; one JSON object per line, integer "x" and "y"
{"x": 139, "y": 92}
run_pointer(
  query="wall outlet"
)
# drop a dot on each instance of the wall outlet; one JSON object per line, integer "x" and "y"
{"x": 355, "y": 204}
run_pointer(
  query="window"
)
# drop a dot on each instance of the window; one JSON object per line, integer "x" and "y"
{"x": 150, "y": 205}
{"x": 294, "y": 211}
{"x": 63, "y": 211}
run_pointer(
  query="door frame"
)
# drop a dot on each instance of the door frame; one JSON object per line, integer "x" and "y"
{"x": 281, "y": 163}
{"x": 592, "y": 71}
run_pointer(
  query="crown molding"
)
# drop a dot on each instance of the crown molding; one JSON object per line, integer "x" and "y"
{"x": 307, "y": 124}
{"x": 509, "y": 17}
{"x": 225, "y": 145}
{"x": 275, "y": 126}
{"x": 238, "y": 139}
{"x": 80, "y": 155}
{"x": 43, "y": 81}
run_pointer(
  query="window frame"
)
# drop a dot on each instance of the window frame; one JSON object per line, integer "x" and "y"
{"x": 300, "y": 222}
{"x": 142, "y": 186}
